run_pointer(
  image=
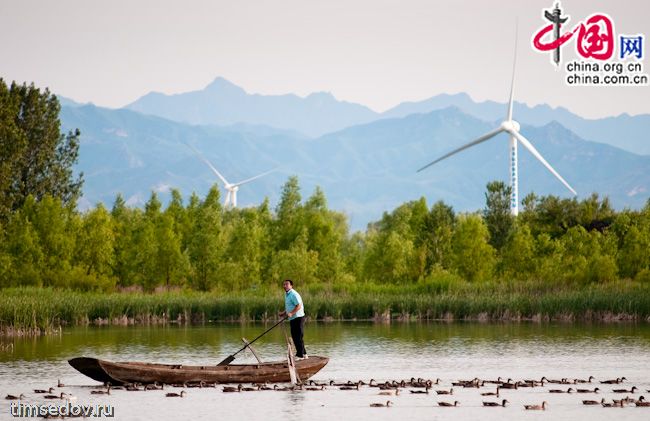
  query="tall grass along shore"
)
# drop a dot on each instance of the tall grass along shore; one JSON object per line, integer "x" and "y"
{"x": 29, "y": 310}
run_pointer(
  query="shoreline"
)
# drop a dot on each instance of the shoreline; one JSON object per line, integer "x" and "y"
{"x": 43, "y": 311}
{"x": 606, "y": 318}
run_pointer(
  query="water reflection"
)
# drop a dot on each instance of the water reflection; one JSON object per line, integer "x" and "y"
{"x": 292, "y": 408}
{"x": 212, "y": 341}
{"x": 449, "y": 351}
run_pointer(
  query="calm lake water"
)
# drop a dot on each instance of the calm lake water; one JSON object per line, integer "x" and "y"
{"x": 449, "y": 351}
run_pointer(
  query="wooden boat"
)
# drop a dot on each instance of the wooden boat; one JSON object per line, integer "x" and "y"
{"x": 141, "y": 372}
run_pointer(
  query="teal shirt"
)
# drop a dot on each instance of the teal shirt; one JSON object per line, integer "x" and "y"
{"x": 291, "y": 300}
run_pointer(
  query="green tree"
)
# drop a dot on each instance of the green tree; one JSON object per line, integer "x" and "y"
{"x": 497, "y": 213}
{"x": 472, "y": 255}
{"x": 553, "y": 216}
{"x": 396, "y": 249}
{"x": 94, "y": 245}
{"x": 171, "y": 263}
{"x": 143, "y": 253}
{"x": 206, "y": 244}
{"x": 353, "y": 250}
{"x": 180, "y": 216}
{"x": 244, "y": 257}
{"x": 125, "y": 222}
{"x": 326, "y": 230}
{"x": 296, "y": 263}
{"x": 5, "y": 260}
{"x": 289, "y": 221}
{"x": 634, "y": 254}
{"x": 24, "y": 253}
{"x": 35, "y": 157}
{"x": 390, "y": 258}
{"x": 144, "y": 249}
{"x": 518, "y": 259}
{"x": 437, "y": 233}
{"x": 595, "y": 214}
{"x": 548, "y": 255}
{"x": 266, "y": 223}
{"x": 585, "y": 258}
{"x": 119, "y": 207}
{"x": 152, "y": 207}
{"x": 56, "y": 226}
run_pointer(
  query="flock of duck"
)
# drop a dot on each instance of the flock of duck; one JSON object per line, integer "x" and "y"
{"x": 394, "y": 388}
{"x": 47, "y": 394}
{"x": 422, "y": 386}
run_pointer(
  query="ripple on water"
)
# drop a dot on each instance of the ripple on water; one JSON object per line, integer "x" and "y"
{"x": 357, "y": 351}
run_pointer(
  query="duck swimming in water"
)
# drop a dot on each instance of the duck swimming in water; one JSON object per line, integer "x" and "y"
{"x": 617, "y": 381}
{"x": 356, "y": 387}
{"x": 425, "y": 391}
{"x": 569, "y": 390}
{"x": 491, "y": 393}
{"x": 503, "y": 403}
{"x": 596, "y": 390}
{"x": 101, "y": 392}
{"x": 176, "y": 395}
{"x": 447, "y": 404}
{"x": 541, "y": 407}
{"x": 625, "y": 390}
{"x": 61, "y": 396}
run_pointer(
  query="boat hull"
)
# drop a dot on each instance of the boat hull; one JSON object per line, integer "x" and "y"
{"x": 140, "y": 372}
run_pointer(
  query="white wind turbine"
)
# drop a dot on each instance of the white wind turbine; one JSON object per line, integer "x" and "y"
{"x": 231, "y": 188}
{"x": 511, "y": 127}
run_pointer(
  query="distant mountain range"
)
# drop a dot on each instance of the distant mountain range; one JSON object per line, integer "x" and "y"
{"x": 364, "y": 169}
{"x": 631, "y": 133}
{"x": 223, "y": 103}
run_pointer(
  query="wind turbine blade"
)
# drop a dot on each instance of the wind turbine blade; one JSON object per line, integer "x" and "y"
{"x": 248, "y": 180}
{"x": 541, "y": 159}
{"x": 462, "y": 148}
{"x": 512, "y": 83}
{"x": 214, "y": 170}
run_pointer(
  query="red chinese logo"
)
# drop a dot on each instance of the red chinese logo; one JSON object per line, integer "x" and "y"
{"x": 595, "y": 36}
{"x": 548, "y": 46}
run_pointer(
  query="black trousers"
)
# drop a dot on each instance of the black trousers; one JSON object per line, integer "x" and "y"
{"x": 297, "y": 328}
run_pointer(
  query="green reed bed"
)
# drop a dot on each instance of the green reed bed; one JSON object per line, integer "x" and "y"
{"x": 30, "y": 309}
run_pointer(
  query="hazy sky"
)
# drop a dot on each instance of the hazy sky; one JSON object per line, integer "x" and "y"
{"x": 375, "y": 52}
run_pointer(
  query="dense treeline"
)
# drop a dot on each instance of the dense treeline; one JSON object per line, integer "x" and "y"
{"x": 201, "y": 246}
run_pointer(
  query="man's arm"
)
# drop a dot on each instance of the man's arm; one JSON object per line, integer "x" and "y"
{"x": 295, "y": 310}
{"x": 292, "y": 312}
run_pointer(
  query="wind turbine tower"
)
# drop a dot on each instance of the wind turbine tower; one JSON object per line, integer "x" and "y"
{"x": 512, "y": 128}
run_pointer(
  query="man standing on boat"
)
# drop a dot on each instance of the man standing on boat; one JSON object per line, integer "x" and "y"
{"x": 295, "y": 311}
